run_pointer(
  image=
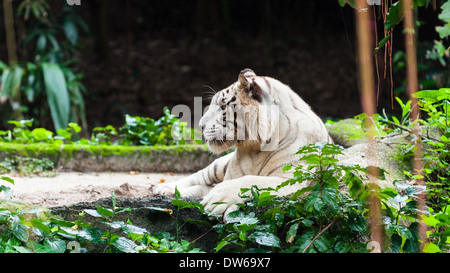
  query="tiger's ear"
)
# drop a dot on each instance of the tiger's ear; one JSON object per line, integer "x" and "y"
{"x": 245, "y": 85}
{"x": 247, "y": 73}
{"x": 252, "y": 89}
{"x": 243, "y": 78}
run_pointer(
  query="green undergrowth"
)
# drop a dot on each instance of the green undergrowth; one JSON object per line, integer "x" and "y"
{"x": 322, "y": 217}
{"x": 27, "y": 229}
{"x": 27, "y": 166}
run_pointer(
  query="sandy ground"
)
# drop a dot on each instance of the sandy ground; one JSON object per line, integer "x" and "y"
{"x": 72, "y": 187}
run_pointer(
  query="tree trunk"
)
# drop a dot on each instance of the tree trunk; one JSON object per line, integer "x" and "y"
{"x": 12, "y": 56}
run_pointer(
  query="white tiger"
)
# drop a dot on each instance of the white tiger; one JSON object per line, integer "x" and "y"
{"x": 267, "y": 122}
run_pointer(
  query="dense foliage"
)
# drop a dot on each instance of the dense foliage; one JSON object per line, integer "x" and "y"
{"x": 167, "y": 130}
{"x": 45, "y": 84}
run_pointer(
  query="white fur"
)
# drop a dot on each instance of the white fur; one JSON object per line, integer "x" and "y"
{"x": 285, "y": 121}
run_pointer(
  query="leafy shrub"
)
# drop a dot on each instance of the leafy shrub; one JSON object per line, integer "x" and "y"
{"x": 167, "y": 130}
{"x": 22, "y": 133}
{"x": 435, "y": 104}
{"x": 435, "y": 135}
{"x": 27, "y": 166}
{"x": 329, "y": 215}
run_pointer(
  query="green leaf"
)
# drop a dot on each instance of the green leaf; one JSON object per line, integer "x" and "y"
{"x": 292, "y": 232}
{"x": 39, "y": 224}
{"x": 3, "y": 66}
{"x": 125, "y": 245}
{"x": 307, "y": 222}
{"x": 287, "y": 167}
{"x": 183, "y": 205}
{"x": 21, "y": 232}
{"x": 7, "y": 191}
{"x": 7, "y": 179}
{"x": 445, "y": 13}
{"x": 57, "y": 245}
{"x": 249, "y": 221}
{"x": 92, "y": 212}
{"x": 17, "y": 74}
{"x": 255, "y": 192}
{"x": 350, "y": 2}
{"x": 431, "y": 248}
{"x": 313, "y": 201}
{"x": 22, "y": 249}
{"x": 405, "y": 232}
{"x": 311, "y": 159}
{"x": 127, "y": 228}
{"x": 4, "y": 215}
{"x": 57, "y": 94}
{"x": 382, "y": 43}
{"x": 341, "y": 247}
{"x": 221, "y": 245}
{"x": 41, "y": 43}
{"x": 11, "y": 80}
{"x": 429, "y": 95}
{"x": 430, "y": 220}
{"x": 6, "y": 84}
{"x": 177, "y": 193}
{"x": 64, "y": 133}
{"x": 266, "y": 199}
{"x": 62, "y": 223}
{"x": 394, "y": 15}
{"x": 443, "y": 31}
{"x": 419, "y": 3}
{"x": 265, "y": 238}
{"x": 41, "y": 134}
{"x": 321, "y": 244}
{"x": 108, "y": 213}
{"x": 75, "y": 127}
{"x": 396, "y": 241}
{"x": 358, "y": 223}
{"x": 70, "y": 30}
{"x": 113, "y": 198}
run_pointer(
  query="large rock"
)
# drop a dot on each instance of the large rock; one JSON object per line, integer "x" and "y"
{"x": 387, "y": 154}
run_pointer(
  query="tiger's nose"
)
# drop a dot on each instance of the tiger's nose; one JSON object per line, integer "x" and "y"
{"x": 201, "y": 124}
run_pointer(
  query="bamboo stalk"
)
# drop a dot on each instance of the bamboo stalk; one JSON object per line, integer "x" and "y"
{"x": 10, "y": 33}
{"x": 12, "y": 55}
{"x": 412, "y": 87}
{"x": 367, "y": 89}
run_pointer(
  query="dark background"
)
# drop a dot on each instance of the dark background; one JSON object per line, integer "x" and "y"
{"x": 142, "y": 55}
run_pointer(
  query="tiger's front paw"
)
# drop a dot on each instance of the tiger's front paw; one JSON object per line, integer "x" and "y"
{"x": 222, "y": 193}
{"x": 183, "y": 187}
{"x": 165, "y": 189}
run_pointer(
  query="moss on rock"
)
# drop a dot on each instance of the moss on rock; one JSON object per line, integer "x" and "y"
{"x": 79, "y": 157}
{"x": 347, "y": 132}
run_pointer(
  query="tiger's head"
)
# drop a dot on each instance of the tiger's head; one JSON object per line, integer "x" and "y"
{"x": 240, "y": 115}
